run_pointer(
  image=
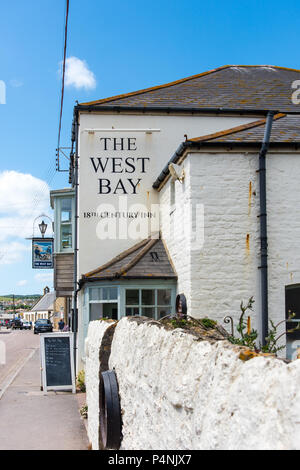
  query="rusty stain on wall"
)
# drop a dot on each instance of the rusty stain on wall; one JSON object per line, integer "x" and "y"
{"x": 248, "y": 244}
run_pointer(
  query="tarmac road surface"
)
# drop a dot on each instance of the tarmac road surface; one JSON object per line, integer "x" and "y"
{"x": 19, "y": 345}
{"x": 31, "y": 419}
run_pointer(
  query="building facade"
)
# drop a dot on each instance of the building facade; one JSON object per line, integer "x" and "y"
{"x": 166, "y": 198}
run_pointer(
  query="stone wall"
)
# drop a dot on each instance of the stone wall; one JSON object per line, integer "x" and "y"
{"x": 97, "y": 344}
{"x": 180, "y": 392}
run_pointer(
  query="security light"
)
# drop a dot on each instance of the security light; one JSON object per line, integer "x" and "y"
{"x": 177, "y": 172}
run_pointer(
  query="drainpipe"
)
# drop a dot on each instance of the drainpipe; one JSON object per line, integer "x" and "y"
{"x": 263, "y": 228}
{"x": 75, "y": 183}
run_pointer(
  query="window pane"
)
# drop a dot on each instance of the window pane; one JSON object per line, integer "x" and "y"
{"x": 96, "y": 311}
{"x": 65, "y": 210}
{"x": 163, "y": 312}
{"x": 164, "y": 297}
{"x": 104, "y": 293}
{"x": 66, "y": 236}
{"x": 94, "y": 294}
{"x": 132, "y": 311}
{"x": 110, "y": 311}
{"x": 132, "y": 297}
{"x": 113, "y": 293}
{"x": 148, "y": 297}
{"x": 148, "y": 312}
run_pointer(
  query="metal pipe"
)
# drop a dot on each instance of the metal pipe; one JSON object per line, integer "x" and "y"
{"x": 75, "y": 184}
{"x": 263, "y": 228}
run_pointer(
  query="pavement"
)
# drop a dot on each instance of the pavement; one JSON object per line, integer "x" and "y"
{"x": 31, "y": 419}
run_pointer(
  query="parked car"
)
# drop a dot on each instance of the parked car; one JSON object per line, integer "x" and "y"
{"x": 43, "y": 326}
{"x": 17, "y": 324}
{"x": 26, "y": 325}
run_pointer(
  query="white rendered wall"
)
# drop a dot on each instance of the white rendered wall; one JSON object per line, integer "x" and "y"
{"x": 158, "y": 147}
{"x": 283, "y": 206}
{"x": 181, "y": 393}
{"x": 174, "y": 226}
{"x": 224, "y": 270}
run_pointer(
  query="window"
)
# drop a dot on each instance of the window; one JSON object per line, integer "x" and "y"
{"x": 65, "y": 224}
{"x": 153, "y": 303}
{"x": 127, "y": 299}
{"x": 63, "y": 204}
{"x": 103, "y": 303}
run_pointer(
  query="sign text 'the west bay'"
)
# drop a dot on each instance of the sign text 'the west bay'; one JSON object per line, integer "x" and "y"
{"x": 119, "y": 165}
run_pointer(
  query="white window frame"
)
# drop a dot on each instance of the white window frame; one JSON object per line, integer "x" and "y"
{"x": 57, "y": 223}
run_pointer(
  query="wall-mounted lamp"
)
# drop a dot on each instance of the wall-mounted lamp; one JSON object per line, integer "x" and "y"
{"x": 43, "y": 228}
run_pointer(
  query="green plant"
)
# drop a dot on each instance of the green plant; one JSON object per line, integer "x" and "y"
{"x": 208, "y": 323}
{"x": 246, "y": 338}
{"x": 249, "y": 338}
{"x": 81, "y": 380}
{"x": 272, "y": 338}
{"x": 84, "y": 411}
{"x": 178, "y": 322}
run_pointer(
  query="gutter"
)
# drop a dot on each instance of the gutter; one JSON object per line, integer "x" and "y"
{"x": 254, "y": 146}
{"x": 171, "y": 109}
{"x": 263, "y": 229}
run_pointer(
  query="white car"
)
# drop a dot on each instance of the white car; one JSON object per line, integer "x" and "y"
{"x": 26, "y": 325}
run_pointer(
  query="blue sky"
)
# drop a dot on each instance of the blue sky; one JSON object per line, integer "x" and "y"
{"x": 125, "y": 46}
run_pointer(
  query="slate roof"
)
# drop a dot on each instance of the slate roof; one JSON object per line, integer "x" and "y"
{"x": 147, "y": 259}
{"x": 285, "y": 129}
{"x": 45, "y": 303}
{"x": 251, "y": 87}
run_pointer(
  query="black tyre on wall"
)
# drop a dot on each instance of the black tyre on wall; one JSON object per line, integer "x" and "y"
{"x": 110, "y": 411}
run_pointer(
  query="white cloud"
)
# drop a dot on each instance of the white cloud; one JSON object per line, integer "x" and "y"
{"x": 22, "y": 283}
{"x": 22, "y": 198}
{"x": 77, "y": 74}
{"x": 19, "y": 192}
{"x": 44, "y": 277}
{"x": 12, "y": 252}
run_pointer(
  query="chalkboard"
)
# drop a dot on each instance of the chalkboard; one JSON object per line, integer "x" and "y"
{"x": 57, "y": 361}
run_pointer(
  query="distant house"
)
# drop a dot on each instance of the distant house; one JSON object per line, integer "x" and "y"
{"x": 44, "y": 307}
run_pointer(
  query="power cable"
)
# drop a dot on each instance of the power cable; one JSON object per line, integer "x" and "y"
{"x": 62, "y": 86}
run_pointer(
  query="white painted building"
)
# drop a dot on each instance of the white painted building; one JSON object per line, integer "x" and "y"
{"x": 209, "y": 222}
{"x": 43, "y": 308}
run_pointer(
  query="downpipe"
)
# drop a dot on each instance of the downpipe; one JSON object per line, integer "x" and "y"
{"x": 75, "y": 286}
{"x": 263, "y": 228}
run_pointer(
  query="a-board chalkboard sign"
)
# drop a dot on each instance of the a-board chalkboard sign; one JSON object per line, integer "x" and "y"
{"x": 57, "y": 361}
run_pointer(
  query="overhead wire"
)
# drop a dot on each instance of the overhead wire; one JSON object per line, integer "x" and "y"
{"x": 62, "y": 84}
{"x": 51, "y": 172}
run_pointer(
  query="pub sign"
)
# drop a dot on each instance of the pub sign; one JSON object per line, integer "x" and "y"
{"x": 42, "y": 253}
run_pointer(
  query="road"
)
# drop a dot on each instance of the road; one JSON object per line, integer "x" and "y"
{"x": 19, "y": 346}
{"x": 31, "y": 419}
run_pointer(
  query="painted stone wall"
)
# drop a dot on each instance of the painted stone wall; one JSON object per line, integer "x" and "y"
{"x": 223, "y": 270}
{"x": 174, "y": 226}
{"x": 179, "y": 392}
{"x": 97, "y": 344}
